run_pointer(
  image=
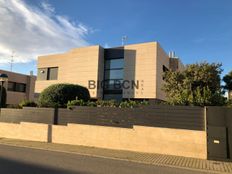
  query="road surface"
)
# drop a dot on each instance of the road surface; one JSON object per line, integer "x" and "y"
{"x": 19, "y": 160}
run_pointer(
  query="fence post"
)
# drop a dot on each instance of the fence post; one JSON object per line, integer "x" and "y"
{"x": 206, "y": 130}
{"x": 55, "y": 120}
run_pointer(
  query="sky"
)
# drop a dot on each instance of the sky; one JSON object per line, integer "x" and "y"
{"x": 197, "y": 30}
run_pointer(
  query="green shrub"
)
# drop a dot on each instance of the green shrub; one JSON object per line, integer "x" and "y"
{"x": 27, "y": 103}
{"x": 132, "y": 104}
{"x": 91, "y": 104}
{"x": 144, "y": 103}
{"x": 128, "y": 104}
{"x": 3, "y": 98}
{"x": 73, "y": 103}
{"x": 107, "y": 103}
{"x": 58, "y": 95}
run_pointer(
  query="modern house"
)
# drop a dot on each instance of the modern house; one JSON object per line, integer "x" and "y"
{"x": 19, "y": 87}
{"x": 128, "y": 72}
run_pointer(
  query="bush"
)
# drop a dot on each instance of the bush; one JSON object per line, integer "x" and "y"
{"x": 128, "y": 104}
{"x": 132, "y": 104}
{"x": 27, "y": 103}
{"x": 229, "y": 103}
{"x": 91, "y": 104}
{"x": 3, "y": 98}
{"x": 107, "y": 103}
{"x": 73, "y": 103}
{"x": 58, "y": 95}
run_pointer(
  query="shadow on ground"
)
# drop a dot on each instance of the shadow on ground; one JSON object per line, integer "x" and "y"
{"x": 9, "y": 166}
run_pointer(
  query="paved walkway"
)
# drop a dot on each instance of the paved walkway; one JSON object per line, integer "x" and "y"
{"x": 156, "y": 159}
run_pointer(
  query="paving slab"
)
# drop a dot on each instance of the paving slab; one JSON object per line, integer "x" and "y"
{"x": 147, "y": 158}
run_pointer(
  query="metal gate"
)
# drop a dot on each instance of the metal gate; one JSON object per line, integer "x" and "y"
{"x": 217, "y": 142}
{"x": 218, "y": 126}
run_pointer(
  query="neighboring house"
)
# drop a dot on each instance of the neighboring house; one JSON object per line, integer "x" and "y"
{"x": 127, "y": 72}
{"x": 19, "y": 87}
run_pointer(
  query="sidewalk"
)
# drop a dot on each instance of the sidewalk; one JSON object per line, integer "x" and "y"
{"x": 156, "y": 159}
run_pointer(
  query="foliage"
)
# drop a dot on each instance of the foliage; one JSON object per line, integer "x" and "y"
{"x": 58, "y": 95}
{"x": 198, "y": 84}
{"x": 132, "y": 104}
{"x": 128, "y": 104}
{"x": 91, "y": 104}
{"x": 228, "y": 81}
{"x": 73, "y": 103}
{"x": 106, "y": 103}
{"x": 228, "y": 84}
{"x": 229, "y": 103}
{"x": 27, "y": 103}
{"x": 3, "y": 98}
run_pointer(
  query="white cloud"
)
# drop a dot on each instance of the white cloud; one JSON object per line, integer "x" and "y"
{"x": 31, "y": 31}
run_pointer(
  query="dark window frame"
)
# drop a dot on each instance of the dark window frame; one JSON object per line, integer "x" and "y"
{"x": 17, "y": 87}
{"x": 114, "y": 91}
{"x": 49, "y": 73}
{"x": 47, "y": 76}
{"x": 105, "y": 67}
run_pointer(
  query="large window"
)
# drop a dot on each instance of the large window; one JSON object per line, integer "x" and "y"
{"x": 113, "y": 78}
{"x": 114, "y": 64}
{"x": 113, "y": 84}
{"x": 114, "y": 74}
{"x": 16, "y": 87}
{"x": 50, "y": 73}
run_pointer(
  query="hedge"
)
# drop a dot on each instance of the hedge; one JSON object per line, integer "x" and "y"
{"x": 58, "y": 95}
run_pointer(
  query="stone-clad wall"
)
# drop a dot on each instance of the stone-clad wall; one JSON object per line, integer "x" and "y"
{"x": 142, "y": 139}
{"x": 25, "y": 131}
{"x": 180, "y": 142}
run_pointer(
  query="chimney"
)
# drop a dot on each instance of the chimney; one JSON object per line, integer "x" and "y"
{"x": 172, "y": 54}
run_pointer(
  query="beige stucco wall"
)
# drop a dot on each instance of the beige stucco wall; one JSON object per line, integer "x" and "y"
{"x": 144, "y": 62}
{"x": 13, "y": 97}
{"x": 188, "y": 143}
{"x": 140, "y": 60}
{"x": 180, "y": 142}
{"x": 25, "y": 131}
{"x": 76, "y": 66}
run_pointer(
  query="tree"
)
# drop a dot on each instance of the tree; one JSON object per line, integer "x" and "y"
{"x": 58, "y": 95}
{"x": 199, "y": 84}
{"x": 228, "y": 83}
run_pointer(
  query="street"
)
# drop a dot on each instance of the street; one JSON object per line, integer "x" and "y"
{"x": 17, "y": 160}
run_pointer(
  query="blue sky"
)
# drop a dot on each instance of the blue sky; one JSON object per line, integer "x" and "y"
{"x": 197, "y": 30}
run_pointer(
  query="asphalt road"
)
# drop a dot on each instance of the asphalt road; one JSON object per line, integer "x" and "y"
{"x": 18, "y": 160}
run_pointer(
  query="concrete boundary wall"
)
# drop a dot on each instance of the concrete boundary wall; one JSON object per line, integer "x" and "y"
{"x": 25, "y": 131}
{"x": 188, "y": 143}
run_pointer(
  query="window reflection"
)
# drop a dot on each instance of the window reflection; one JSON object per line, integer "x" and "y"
{"x": 114, "y": 64}
{"x": 114, "y": 74}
